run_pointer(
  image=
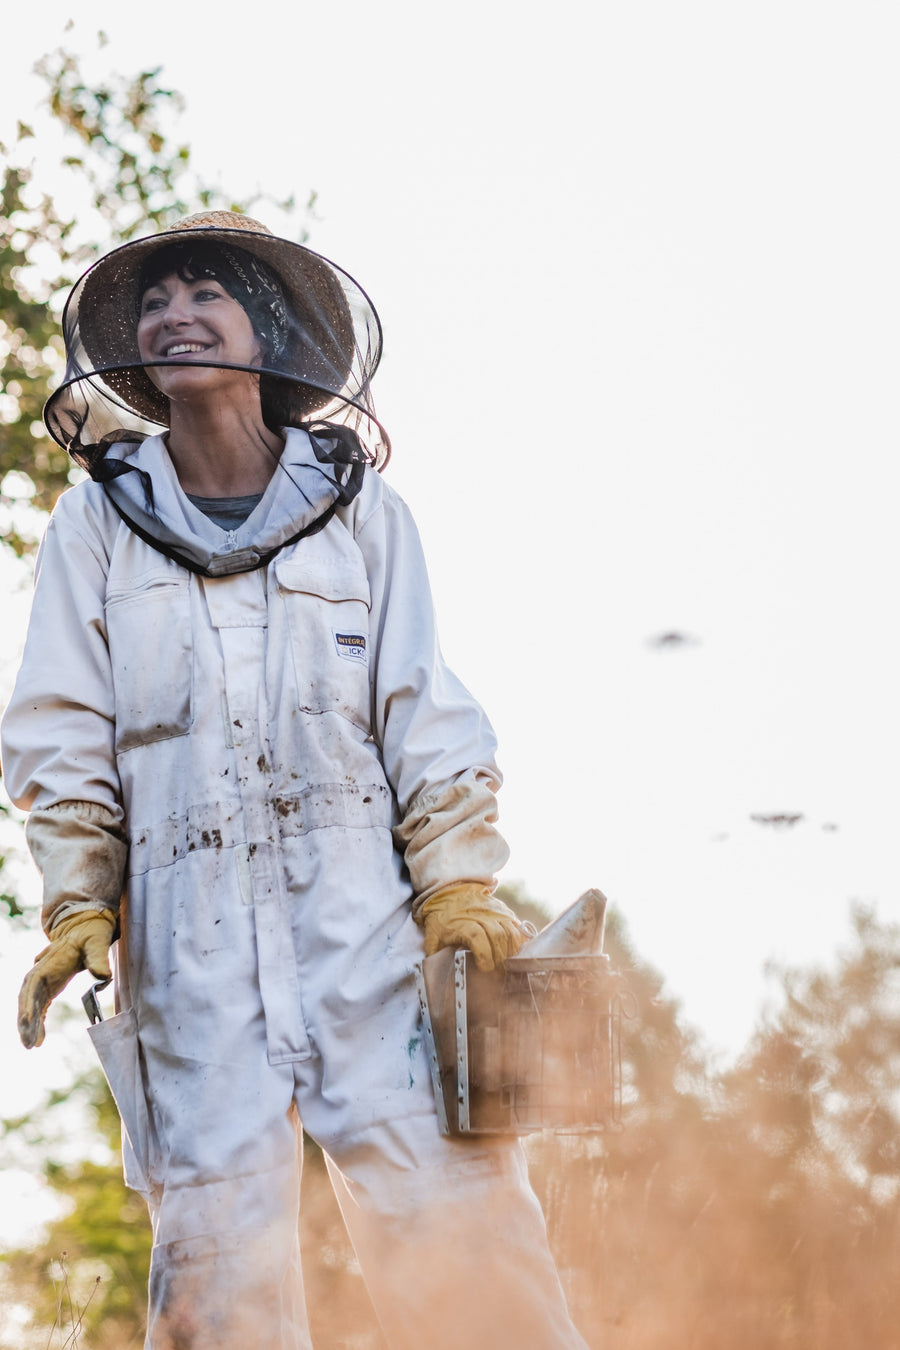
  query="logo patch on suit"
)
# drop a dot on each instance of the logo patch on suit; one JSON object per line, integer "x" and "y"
{"x": 351, "y": 646}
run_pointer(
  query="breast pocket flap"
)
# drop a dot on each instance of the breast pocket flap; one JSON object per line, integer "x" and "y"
{"x": 336, "y": 582}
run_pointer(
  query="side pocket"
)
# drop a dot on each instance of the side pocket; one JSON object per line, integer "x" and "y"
{"x": 116, "y": 1043}
{"x": 149, "y": 636}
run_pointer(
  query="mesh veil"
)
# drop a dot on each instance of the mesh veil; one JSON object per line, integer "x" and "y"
{"x": 320, "y": 342}
{"x": 323, "y": 372}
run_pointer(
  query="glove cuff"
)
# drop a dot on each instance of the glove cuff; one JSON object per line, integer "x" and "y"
{"x": 81, "y": 851}
{"x": 458, "y": 896}
{"x": 70, "y": 925}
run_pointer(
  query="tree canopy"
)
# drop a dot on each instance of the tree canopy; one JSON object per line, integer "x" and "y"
{"x": 130, "y": 174}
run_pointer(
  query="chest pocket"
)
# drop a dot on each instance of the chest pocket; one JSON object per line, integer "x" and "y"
{"x": 328, "y": 617}
{"x": 149, "y": 631}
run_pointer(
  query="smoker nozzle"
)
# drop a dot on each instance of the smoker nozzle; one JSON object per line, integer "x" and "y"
{"x": 577, "y": 932}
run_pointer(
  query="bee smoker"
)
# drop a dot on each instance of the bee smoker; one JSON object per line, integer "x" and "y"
{"x": 534, "y": 1046}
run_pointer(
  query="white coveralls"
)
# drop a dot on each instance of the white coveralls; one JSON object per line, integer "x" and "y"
{"x": 263, "y": 734}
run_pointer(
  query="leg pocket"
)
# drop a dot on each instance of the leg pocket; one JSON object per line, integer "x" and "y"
{"x": 116, "y": 1043}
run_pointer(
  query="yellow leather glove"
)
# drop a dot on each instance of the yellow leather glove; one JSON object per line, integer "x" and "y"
{"x": 80, "y": 942}
{"x": 467, "y": 915}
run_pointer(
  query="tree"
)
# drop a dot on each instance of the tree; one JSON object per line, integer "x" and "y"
{"x": 616, "y": 1203}
{"x": 843, "y": 1029}
{"x": 90, "y": 1271}
{"x": 132, "y": 177}
{"x": 819, "y": 1085}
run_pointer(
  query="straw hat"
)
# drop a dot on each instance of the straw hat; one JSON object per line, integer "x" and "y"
{"x": 334, "y": 338}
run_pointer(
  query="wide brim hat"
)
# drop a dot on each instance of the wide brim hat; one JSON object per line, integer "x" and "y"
{"x": 322, "y": 373}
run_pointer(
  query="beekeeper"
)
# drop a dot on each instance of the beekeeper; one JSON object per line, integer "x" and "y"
{"x": 233, "y": 717}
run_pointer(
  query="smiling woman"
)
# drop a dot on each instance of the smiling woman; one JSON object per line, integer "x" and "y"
{"x": 194, "y": 318}
{"x": 211, "y": 352}
{"x": 233, "y": 709}
{"x": 222, "y": 336}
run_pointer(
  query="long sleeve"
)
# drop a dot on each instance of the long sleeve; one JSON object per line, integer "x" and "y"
{"x": 437, "y": 745}
{"x": 81, "y": 852}
{"x": 59, "y": 728}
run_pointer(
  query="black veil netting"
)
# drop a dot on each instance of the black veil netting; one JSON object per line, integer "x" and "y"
{"x": 323, "y": 349}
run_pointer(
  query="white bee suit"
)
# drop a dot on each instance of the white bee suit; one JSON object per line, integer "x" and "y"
{"x": 263, "y": 734}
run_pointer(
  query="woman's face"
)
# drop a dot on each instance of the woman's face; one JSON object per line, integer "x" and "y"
{"x": 195, "y": 321}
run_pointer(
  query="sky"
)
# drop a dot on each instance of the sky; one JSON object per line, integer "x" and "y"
{"x": 638, "y": 272}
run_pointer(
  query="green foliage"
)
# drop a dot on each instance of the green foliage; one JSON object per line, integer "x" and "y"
{"x": 131, "y": 175}
{"x": 98, "y": 1251}
{"x": 31, "y": 353}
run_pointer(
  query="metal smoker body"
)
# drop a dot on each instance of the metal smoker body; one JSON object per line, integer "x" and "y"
{"x": 534, "y": 1046}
